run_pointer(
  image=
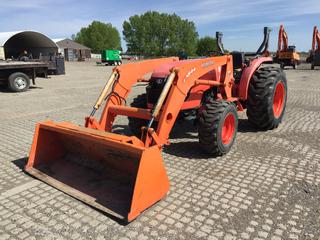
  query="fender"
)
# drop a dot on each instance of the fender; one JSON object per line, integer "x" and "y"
{"x": 247, "y": 74}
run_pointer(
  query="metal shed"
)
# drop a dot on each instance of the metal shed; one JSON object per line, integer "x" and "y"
{"x": 73, "y": 50}
{"x": 35, "y": 43}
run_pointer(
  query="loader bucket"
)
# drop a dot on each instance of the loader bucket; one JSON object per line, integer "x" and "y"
{"x": 113, "y": 173}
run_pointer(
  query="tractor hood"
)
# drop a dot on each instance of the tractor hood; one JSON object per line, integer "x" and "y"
{"x": 164, "y": 70}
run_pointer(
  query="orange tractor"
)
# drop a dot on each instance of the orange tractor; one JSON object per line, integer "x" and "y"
{"x": 314, "y": 57}
{"x": 286, "y": 55}
{"x": 124, "y": 175}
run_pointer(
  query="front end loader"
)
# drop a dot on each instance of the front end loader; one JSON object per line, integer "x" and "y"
{"x": 124, "y": 175}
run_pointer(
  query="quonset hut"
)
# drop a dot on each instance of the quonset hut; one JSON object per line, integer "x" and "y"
{"x": 13, "y": 44}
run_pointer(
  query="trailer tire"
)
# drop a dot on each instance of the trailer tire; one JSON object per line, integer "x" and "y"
{"x": 267, "y": 98}
{"x": 18, "y": 82}
{"x": 218, "y": 125}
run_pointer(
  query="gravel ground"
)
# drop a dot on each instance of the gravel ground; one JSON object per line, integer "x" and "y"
{"x": 267, "y": 187}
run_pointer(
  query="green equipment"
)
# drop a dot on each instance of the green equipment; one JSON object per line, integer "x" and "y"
{"x": 111, "y": 57}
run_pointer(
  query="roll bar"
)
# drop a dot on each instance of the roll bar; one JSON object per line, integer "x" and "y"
{"x": 219, "y": 42}
{"x": 261, "y": 50}
{"x": 265, "y": 43}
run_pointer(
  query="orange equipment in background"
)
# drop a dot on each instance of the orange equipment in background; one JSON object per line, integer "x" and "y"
{"x": 124, "y": 175}
{"x": 314, "y": 57}
{"x": 286, "y": 55}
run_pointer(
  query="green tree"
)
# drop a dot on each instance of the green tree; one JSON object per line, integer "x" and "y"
{"x": 159, "y": 34}
{"x": 99, "y": 36}
{"x": 206, "y": 45}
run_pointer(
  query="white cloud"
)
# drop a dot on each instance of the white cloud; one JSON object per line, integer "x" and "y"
{"x": 19, "y": 4}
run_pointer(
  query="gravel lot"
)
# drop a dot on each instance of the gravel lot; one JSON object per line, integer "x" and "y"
{"x": 267, "y": 187}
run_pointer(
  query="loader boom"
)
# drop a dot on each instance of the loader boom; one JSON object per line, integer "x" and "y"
{"x": 121, "y": 80}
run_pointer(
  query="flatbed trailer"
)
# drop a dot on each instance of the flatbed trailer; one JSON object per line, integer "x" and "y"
{"x": 17, "y": 75}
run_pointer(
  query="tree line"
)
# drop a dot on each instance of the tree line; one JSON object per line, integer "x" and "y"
{"x": 149, "y": 34}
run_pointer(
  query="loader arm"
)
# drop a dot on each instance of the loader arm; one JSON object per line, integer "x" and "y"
{"x": 128, "y": 75}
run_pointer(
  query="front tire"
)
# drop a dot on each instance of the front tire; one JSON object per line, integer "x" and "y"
{"x": 218, "y": 125}
{"x": 267, "y": 98}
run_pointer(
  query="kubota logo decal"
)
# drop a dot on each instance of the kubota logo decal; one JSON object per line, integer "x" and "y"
{"x": 189, "y": 73}
{"x": 207, "y": 64}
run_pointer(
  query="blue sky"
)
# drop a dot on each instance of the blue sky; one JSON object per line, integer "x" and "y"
{"x": 241, "y": 22}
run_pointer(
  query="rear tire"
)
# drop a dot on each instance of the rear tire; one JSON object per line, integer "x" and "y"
{"x": 18, "y": 82}
{"x": 267, "y": 98}
{"x": 135, "y": 124}
{"x": 218, "y": 125}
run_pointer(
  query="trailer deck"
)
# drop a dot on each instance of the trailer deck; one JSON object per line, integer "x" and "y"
{"x": 20, "y": 64}
{"x": 17, "y": 74}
